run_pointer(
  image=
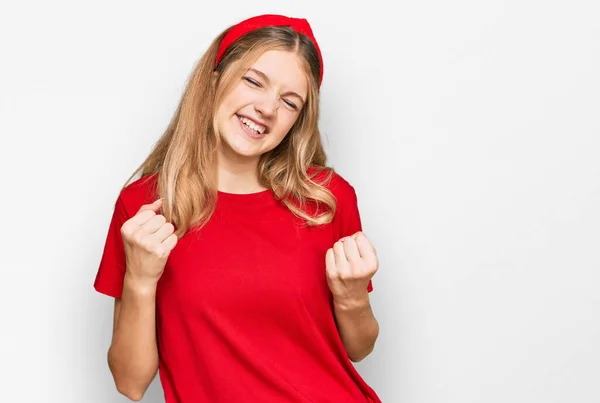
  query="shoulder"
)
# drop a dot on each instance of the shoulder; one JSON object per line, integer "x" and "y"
{"x": 140, "y": 191}
{"x": 346, "y": 218}
{"x": 332, "y": 180}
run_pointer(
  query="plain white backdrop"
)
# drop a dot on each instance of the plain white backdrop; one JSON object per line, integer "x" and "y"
{"x": 470, "y": 130}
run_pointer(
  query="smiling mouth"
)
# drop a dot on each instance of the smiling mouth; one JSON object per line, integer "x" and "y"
{"x": 250, "y": 124}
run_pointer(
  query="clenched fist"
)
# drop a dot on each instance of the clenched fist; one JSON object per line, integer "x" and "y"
{"x": 148, "y": 240}
{"x": 350, "y": 265}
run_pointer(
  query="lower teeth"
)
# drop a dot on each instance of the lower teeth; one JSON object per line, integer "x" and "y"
{"x": 252, "y": 130}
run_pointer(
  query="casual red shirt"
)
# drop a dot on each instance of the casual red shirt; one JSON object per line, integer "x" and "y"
{"x": 243, "y": 309}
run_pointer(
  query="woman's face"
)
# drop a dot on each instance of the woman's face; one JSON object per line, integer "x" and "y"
{"x": 258, "y": 112}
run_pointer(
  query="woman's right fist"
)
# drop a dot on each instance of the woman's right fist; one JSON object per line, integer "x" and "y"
{"x": 148, "y": 240}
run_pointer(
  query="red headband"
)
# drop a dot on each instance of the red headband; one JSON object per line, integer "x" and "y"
{"x": 300, "y": 25}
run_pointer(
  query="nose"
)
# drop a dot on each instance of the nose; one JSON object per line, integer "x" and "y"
{"x": 267, "y": 105}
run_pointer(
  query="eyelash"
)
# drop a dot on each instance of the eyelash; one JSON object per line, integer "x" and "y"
{"x": 251, "y": 81}
{"x": 257, "y": 84}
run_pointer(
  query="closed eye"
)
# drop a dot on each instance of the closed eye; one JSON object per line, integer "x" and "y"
{"x": 255, "y": 83}
{"x": 291, "y": 105}
{"x": 251, "y": 81}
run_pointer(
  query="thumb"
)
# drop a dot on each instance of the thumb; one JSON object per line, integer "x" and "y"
{"x": 155, "y": 205}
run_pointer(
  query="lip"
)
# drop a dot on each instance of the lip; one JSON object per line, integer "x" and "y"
{"x": 249, "y": 132}
{"x": 260, "y": 122}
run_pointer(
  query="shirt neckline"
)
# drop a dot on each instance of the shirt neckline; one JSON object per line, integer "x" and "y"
{"x": 244, "y": 200}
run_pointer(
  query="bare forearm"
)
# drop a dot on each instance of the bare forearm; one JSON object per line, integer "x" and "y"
{"x": 133, "y": 354}
{"x": 357, "y": 326}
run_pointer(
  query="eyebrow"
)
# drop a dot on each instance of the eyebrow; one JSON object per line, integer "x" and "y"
{"x": 266, "y": 78}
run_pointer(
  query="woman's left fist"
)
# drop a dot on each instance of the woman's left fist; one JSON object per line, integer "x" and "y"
{"x": 350, "y": 265}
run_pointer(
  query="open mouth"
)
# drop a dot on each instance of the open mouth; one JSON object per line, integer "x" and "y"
{"x": 252, "y": 125}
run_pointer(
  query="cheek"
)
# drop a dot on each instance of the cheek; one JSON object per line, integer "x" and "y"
{"x": 240, "y": 96}
{"x": 289, "y": 121}
{"x": 287, "y": 118}
{"x": 226, "y": 107}
{"x": 232, "y": 102}
{"x": 284, "y": 124}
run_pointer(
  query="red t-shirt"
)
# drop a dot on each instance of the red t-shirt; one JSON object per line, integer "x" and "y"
{"x": 243, "y": 309}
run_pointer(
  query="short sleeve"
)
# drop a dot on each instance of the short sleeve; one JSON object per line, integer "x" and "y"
{"x": 347, "y": 217}
{"x": 111, "y": 270}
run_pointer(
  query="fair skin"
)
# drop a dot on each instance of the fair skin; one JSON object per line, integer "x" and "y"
{"x": 350, "y": 264}
{"x": 133, "y": 354}
{"x": 271, "y": 95}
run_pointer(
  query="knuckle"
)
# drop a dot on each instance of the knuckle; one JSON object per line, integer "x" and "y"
{"x": 137, "y": 237}
{"x": 148, "y": 245}
{"x": 146, "y": 211}
{"x": 125, "y": 230}
{"x": 158, "y": 251}
{"x": 161, "y": 252}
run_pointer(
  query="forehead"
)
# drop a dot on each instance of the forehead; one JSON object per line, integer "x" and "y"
{"x": 283, "y": 69}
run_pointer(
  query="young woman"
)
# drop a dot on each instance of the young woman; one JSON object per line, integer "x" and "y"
{"x": 236, "y": 260}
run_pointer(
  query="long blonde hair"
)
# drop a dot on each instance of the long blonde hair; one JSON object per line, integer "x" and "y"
{"x": 185, "y": 156}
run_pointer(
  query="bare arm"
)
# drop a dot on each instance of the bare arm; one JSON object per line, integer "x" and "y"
{"x": 350, "y": 265}
{"x": 357, "y": 326}
{"x": 133, "y": 354}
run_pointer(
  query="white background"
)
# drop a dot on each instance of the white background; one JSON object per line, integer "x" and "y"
{"x": 470, "y": 130}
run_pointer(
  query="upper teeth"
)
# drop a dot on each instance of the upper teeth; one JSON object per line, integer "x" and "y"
{"x": 254, "y": 126}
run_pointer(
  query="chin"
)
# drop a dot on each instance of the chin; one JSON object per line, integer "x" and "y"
{"x": 237, "y": 144}
{"x": 245, "y": 152}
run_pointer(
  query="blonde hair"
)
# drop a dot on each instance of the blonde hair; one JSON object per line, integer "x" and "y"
{"x": 185, "y": 156}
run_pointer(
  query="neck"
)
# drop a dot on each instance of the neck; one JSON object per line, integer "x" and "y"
{"x": 238, "y": 174}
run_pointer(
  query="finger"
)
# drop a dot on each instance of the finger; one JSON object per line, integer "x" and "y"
{"x": 171, "y": 241}
{"x": 364, "y": 245}
{"x": 351, "y": 250}
{"x": 154, "y": 224}
{"x": 340, "y": 255}
{"x": 154, "y": 206}
{"x": 165, "y": 230}
{"x": 146, "y": 212}
{"x": 330, "y": 260}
